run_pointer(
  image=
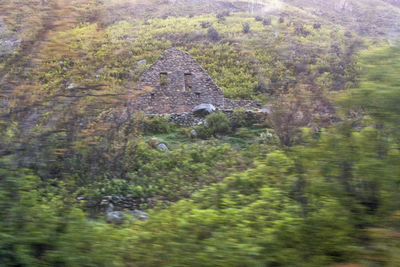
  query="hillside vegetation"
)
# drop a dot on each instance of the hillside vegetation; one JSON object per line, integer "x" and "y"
{"x": 314, "y": 184}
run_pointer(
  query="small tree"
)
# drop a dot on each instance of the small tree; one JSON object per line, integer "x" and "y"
{"x": 289, "y": 115}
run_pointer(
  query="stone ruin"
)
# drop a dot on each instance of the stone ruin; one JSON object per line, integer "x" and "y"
{"x": 175, "y": 84}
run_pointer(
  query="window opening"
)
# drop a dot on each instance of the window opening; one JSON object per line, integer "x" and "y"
{"x": 188, "y": 82}
{"x": 163, "y": 79}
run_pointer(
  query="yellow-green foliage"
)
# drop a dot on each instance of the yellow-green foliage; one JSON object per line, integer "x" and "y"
{"x": 243, "y": 65}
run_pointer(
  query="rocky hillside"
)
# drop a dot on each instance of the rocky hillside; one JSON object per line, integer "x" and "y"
{"x": 373, "y": 18}
{"x": 64, "y": 64}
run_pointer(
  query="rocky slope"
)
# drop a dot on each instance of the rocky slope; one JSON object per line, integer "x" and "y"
{"x": 373, "y": 18}
{"x": 80, "y": 58}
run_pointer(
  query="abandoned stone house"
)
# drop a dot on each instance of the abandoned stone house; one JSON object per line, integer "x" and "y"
{"x": 175, "y": 84}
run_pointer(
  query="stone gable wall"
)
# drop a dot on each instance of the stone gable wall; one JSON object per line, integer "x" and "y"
{"x": 176, "y": 96}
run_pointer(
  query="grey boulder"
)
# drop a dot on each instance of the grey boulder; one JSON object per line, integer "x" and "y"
{"x": 203, "y": 109}
{"x": 118, "y": 217}
{"x": 139, "y": 215}
{"x": 115, "y": 217}
{"x": 162, "y": 147}
{"x": 193, "y": 133}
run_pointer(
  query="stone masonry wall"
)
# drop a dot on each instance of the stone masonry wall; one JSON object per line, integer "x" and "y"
{"x": 179, "y": 94}
{"x": 185, "y": 85}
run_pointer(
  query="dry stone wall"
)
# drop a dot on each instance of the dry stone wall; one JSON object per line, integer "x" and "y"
{"x": 185, "y": 85}
{"x": 175, "y": 84}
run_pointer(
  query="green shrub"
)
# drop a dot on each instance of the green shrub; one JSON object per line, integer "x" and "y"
{"x": 205, "y": 24}
{"x": 246, "y": 27}
{"x": 258, "y": 18}
{"x": 203, "y": 132}
{"x": 218, "y": 123}
{"x": 267, "y": 22}
{"x": 157, "y": 125}
{"x": 222, "y": 15}
{"x": 212, "y": 34}
{"x": 240, "y": 118}
{"x": 268, "y": 137}
{"x": 142, "y": 124}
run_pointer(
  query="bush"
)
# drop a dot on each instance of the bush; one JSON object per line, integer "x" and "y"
{"x": 240, "y": 118}
{"x": 246, "y": 27}
{"x": 222, "y": 15}
{"x": 218, "y": 123}
{"x": 301, "y": 31}
{"x": 268, "y": 137}
{"x": 157, "y": 125}
{"x": 317, "y": 25}
{"x": 203, "y": 132}
{"x": 212, "y": 34}
{"x": 261, "y": 86}
{"x": 142, "y": 124}
{"x": 205, "y": 24}
{"x": 267, "y": 22}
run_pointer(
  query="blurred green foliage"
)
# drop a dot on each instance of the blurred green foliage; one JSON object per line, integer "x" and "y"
{"x": 308, "y": 206}
{"x": 378, "y": 92}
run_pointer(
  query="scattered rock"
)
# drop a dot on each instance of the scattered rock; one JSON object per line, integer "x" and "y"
{"x": 186, "y": 119}
{"x": 142, "y": 62}
{"x": 71, "y": 86}
{"x": 203, "y": 109}
{"x": 162, "y": 147}
{"x": 193, "y": 133}
{"x": 139, "y": 215}
{"x": 117, "y": 208}
{"x": 265, "y": 110}
{"x": 111, "y": 203}
{"x": 158, "y": 144}
{"x": 118, "y": 217}
{"x": 115, "y": 217}
{"x": 110, "y": 207}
